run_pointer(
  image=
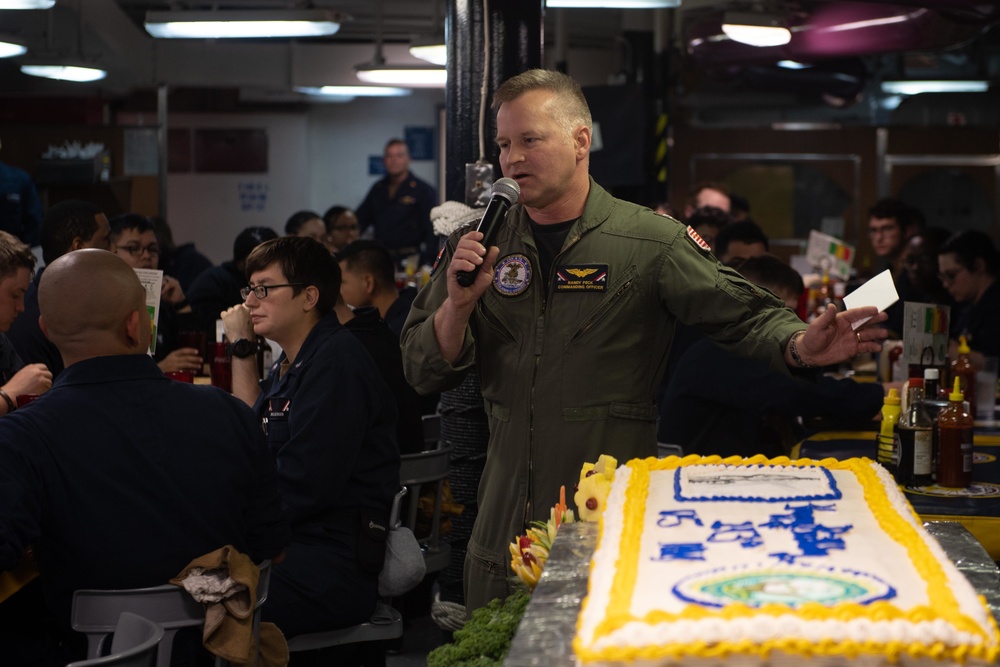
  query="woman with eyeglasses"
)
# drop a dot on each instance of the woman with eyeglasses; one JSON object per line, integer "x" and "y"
{"x": 967, "y": 265}
{"x": 133, "y": 238}
{"x": 330, "y": 422}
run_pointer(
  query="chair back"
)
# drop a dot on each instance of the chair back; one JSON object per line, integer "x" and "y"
{"x": 415, "y": 470}
{"x": 135, "y": 644}
{"x": 95, "y": 612}
{"x": 432, "y": 430}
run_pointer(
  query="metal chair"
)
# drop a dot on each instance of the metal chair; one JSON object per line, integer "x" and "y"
{"x": 385, "y": 623}
{"x": 415, "y": 470}
{"x": 135, "y": 644}
{"x": 95, "y": 612}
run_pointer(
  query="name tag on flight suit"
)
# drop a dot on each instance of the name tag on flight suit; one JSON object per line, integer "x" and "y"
{"x": 582, "y": 278}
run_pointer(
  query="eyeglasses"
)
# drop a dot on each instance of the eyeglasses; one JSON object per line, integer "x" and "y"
{"x": 883, "y": 229}
{"x": 260, "y": 291}
{"x": 949, "y": 276}
{"x": 136, "y": 250}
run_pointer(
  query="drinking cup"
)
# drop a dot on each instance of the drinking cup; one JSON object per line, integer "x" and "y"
{"x": 221, "y": 367}
{"x": 24, "y": 399}
{"x": 986, "y": 388}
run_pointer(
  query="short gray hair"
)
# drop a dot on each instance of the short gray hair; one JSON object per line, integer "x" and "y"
{"x": 572, "y": 109}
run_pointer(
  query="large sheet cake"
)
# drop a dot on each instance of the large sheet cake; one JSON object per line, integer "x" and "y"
{"x": 754, "y": 561}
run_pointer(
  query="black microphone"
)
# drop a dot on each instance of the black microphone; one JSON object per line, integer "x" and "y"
{"x": 505, "y": 193}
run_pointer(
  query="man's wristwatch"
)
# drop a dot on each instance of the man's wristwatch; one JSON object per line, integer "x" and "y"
{"x": 243, "y": 348}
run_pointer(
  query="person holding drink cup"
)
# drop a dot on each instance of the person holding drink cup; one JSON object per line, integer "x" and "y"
{"x": 330, "y": 422}
{"x": 19, "y": 380}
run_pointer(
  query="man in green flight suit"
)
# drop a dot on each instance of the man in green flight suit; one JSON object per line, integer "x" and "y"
{"x": 571, "y": 316}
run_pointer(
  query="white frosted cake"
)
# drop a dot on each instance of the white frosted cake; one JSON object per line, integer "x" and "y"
{"x": 753, "y": 561}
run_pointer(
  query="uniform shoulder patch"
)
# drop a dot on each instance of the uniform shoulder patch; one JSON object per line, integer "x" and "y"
{"x": 696, "y": 237}
{"x": 512, "y": 275}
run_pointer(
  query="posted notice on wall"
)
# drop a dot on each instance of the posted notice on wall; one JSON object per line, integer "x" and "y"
{"x": 829, "y": 252}
{"x": 925, "y": 333}
{"x": 152, "y": 281}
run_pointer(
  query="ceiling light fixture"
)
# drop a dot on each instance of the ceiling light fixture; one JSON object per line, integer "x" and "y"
{"x": 27, "y": 4}
{"x": 64, "y": 72}
{"x": 614, "y": 4}
{"x": 9, "y": 49}
{"x": 755, "y": 29}
{"x": 407, "y": 76}
{"x": 236, "y": 24}
{"x": 351, "y": 92}
{"x": 917, "y": 87}
{"x": 431, "y": 49}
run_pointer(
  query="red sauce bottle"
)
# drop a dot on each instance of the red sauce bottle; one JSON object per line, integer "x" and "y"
{"x": 954, "y": 466}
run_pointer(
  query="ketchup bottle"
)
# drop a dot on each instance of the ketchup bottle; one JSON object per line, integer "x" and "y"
{"x": 954, "y": 467}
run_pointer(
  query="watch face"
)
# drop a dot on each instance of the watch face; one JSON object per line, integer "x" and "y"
{"x": 244, "y": 348}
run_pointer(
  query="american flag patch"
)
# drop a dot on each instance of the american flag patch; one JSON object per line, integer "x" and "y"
{"x": 696, "y": 237}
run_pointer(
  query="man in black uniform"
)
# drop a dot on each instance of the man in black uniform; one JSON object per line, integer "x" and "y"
{"x": 399, "y": 207}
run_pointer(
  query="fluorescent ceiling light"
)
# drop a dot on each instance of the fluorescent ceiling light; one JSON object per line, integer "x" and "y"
{"x": 917, "y": 87}
{"x": 224, "y": 24}
{"x": 64, "y": 72}
{"x": 354, "y": 91}
{"x": 755, "y": 29}
{"x": 432, "y": 50}
{"x": 793, "y": 64}
{"x": 614, "y": 4}
{"x": 406, "y": 76}
{"x": 27, "y": 4}
{"x": 12, "y": 49}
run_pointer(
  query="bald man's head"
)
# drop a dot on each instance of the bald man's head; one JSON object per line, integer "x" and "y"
{"x": 92, "y": 304}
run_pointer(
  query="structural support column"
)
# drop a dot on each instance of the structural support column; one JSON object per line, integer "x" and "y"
{"x": 161, "y": 145}
{"x": 514, "y": 44}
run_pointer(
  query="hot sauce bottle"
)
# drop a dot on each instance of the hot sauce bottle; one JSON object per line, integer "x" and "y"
{"x": 954, "y": 466}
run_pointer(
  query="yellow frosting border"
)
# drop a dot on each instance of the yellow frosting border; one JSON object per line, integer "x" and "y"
{"x": 942, "y": 603}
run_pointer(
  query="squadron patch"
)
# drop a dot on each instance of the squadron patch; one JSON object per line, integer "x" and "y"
{"x": 582, "y": 278}
{"x": 512, "y": 275}
{"x": 696, "y": 237}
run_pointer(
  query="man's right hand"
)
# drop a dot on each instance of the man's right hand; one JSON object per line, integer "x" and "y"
{"x": 32, "y": 379}
{"x": 453, "y": 315}
{"x": 470, "y": 255}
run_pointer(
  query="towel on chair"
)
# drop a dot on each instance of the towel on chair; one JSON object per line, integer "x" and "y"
{"x": 225, "y": 582}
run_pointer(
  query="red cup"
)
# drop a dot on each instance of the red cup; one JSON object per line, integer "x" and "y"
{"x": 221, "y": 367}
{"x": 195, "y": 339}
{"x": 181, "y": 376}
{"x": 24, "y": 399}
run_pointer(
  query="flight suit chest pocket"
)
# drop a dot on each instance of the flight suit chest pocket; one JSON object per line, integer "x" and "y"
{"x": 275, "y": 421}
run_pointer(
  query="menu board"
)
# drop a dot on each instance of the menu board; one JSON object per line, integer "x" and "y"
{"x": 152, "y": 281}
{"x": 925, "y": 333}
{"x": 830, "y": 253}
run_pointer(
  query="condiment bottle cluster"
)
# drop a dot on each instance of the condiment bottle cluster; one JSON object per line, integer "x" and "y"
{"x": 919, "y": 450}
